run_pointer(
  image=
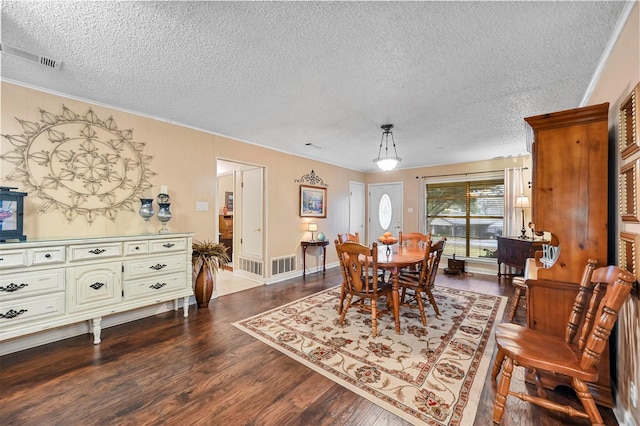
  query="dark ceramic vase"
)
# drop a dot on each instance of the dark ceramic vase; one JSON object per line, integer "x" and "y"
{"x": 204, "y": 287}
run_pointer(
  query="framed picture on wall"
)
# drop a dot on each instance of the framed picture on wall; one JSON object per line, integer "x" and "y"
{"x": 629, "y": 257}
{"x": 628, "y": 191}
{"x": 628, "y": 137}
{"x": 228, "y": 201}
{"x": 313, "y": 201}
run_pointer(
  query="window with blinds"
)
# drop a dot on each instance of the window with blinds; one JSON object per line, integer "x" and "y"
{"x": 469, "y": 214}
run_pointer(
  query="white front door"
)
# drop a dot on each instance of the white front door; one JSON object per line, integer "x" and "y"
{"x": 385, "y": 209}
{"x": 356, "y": 209}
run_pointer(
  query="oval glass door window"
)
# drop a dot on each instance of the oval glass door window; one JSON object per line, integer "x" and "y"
{"x": 384, "y": 211}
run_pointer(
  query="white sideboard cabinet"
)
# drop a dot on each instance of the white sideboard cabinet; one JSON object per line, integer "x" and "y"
{"x": 53, "y": 283}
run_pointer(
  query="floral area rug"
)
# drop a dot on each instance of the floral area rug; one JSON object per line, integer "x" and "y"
{"x": 427, "y": 375}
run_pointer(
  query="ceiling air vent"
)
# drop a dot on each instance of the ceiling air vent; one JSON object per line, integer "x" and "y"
{"x": 23, "y": 54}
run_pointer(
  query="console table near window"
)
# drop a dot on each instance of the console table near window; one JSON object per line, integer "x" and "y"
{"x": 315, "y": 243}
{"x": 514, "y": 251}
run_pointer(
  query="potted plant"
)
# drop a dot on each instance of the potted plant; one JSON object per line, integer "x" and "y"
{"x": 207, "y": 258}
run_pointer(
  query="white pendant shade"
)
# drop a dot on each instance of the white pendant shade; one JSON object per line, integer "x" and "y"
{"x": 386, "y": 164}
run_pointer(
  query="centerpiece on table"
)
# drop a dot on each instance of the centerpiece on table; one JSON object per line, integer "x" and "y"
{"x": 388, "y": 240}
{"x": 206, "y": 260}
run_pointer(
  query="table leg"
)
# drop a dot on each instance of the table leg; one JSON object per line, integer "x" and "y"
{"x": 395, "y": 296}
{"x": 324, "y": 260}
{"x": 304, "y": 261}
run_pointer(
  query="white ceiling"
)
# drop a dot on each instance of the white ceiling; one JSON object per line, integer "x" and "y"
{"x": 455, "y": 78}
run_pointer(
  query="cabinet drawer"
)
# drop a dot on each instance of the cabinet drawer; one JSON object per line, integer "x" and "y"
{"x": 131, "y": 248}
{"x": 167, "y": 245}
{"x": 94, "y": 251}
{"x": 17, "y": 312}
{"x": 47, "y": 255}
{"x": 148, "y": 287}
{"x": 94, "y": 286}
{"x": 13, "y": 286}
{"x": 13, "y": 258}
{"x": 154, "y": 266}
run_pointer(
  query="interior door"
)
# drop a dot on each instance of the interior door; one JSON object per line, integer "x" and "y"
{"x": 356, "y": 208}
{"x": 385, "y": 209}
{"x": 251, "y": 210}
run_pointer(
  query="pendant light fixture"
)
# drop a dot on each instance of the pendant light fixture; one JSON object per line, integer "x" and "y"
{"x": 387, "y": 162}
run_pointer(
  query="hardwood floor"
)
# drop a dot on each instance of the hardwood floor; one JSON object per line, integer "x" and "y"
{"x": 165, "y": 370}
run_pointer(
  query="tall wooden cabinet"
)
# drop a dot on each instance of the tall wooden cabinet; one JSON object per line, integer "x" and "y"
{"x": 569, "y": 199}
{"x": 569, "y": 188}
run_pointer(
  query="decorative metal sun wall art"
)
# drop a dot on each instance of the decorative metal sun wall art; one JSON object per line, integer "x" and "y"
{"x": 79, "y": 164}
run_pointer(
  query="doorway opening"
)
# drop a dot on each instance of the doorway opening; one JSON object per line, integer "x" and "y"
{"x": 240, "y": 218}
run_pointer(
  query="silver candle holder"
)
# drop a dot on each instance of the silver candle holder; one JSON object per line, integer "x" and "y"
{"x": 164, "y": 214}
{"x": 146, "y": 211}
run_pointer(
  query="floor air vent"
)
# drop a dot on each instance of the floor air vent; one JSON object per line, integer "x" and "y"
{"x": 280, "y": 265}
{"x": 251, "y": 266}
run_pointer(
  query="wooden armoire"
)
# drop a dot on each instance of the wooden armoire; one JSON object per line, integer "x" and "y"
{"x": 569, "y": 199}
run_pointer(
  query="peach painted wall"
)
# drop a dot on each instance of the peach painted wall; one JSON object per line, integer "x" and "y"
{"x": 184, "y": 159}
{"x": 285, "y": 227}
{"x": 411, "y": 221}
{"x": 176, "y": 152}
{"x": 618, "y": 78}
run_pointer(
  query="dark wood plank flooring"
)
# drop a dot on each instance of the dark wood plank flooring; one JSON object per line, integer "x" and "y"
{"x": 165, "y": 370}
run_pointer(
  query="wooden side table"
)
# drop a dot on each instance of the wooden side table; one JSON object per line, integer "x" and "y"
{"x": 514, "y": 251}
{"x": 315, "y": 243}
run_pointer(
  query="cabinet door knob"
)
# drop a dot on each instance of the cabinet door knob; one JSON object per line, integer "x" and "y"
{"x": 47, "y": 255}
{"x": 97, "y": 286}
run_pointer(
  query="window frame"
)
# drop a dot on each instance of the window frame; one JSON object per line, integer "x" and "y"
{"x": 469, "y": 218}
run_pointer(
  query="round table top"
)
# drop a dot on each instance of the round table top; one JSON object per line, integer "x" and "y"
{"x": 399, "y": 256}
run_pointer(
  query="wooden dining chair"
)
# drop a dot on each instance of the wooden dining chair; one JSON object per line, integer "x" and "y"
{"x": 413, "y": 239}
{"x": 540, "y": 352}
{"x": 343, "y": 238}
{"x": 355, "y": 260}
{"x": 424, "y": 281}
{"x": 343, "y": 285}
{"x": 532, "y": 265}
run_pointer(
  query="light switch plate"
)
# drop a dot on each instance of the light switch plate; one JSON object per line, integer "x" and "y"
{"x": 202, "y": 206}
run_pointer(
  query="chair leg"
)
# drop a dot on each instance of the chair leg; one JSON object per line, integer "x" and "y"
{"x": 374, "y": 317}
{"x": 503, "y": 390}
{"x": 432, "y": 300}
{"x": 587, "y": 401}
{"x": 497, "y": 364}
{"x": 421, "y": 307}
{"x": 516, "y": 302}
{"x": 342, "y": 295}
{"x": 346, "y": 308}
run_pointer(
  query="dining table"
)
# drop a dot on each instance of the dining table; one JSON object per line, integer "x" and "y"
{"x": 394, "y": 259}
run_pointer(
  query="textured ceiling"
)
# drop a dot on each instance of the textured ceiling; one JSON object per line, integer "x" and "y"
{"x": 455, "y": 78}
